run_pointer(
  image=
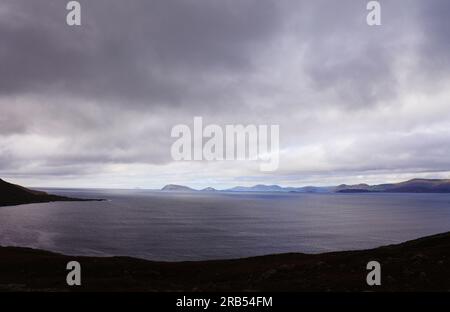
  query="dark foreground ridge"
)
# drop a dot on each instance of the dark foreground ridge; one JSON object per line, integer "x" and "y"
{"x": 12, "y": 194}
{"x": 418, "y": 265}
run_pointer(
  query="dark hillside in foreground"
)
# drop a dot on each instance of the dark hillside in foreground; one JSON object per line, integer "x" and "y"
{"x": 11, "y": 194}
{"x": 418, "y": 265}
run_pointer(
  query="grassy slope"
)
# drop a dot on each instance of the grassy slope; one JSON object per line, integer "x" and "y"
{"x": 419, "y": 265}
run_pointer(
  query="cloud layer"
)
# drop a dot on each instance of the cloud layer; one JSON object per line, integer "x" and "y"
{"x": 93, "y": 105}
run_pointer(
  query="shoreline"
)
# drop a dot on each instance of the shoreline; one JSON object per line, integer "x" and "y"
{"x": 417, "y": 265}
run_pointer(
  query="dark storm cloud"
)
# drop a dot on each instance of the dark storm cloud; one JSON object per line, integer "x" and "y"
{"x": 434, "y": 25}
{"x": 177, "y": 52}
{"x": 150, "y": 50}
{"x": 346, "y": 55}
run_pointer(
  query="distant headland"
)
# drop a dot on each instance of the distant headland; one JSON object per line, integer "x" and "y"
{"x": 12, "y": 194}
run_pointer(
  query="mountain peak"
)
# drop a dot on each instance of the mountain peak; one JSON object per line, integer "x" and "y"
{"x": 209, "y": 189}
{"x": 177, "y": 188}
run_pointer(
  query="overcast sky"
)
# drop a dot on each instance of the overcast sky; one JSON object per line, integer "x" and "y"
{"x": 93, "y": 105}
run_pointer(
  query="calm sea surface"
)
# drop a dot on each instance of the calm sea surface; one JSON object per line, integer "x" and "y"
{"x": 194, "y": 226}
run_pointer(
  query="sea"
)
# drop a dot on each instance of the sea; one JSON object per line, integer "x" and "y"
{"x": 187, "y": 226}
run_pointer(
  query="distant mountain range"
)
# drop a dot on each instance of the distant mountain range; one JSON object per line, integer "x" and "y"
{"x": 277, "y": 188}
{"x": 12, "y": 194}
{"x": 410, "y": 186}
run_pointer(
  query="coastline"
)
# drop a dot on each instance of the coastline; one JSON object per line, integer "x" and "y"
{"x": 14, "y": 195}
{"x": 418, "y": 265}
